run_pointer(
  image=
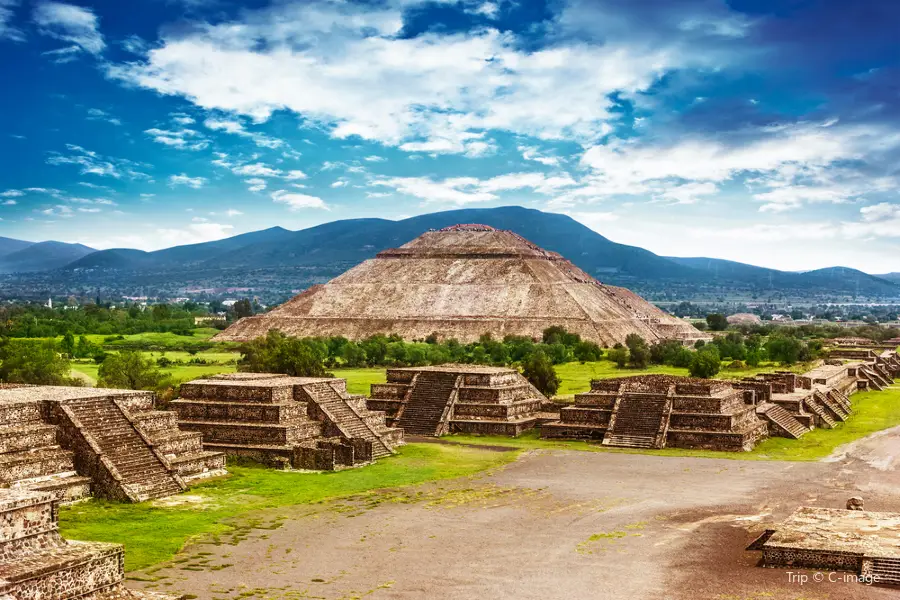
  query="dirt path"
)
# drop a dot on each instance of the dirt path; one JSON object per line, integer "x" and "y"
{"x": 554, "y": 524}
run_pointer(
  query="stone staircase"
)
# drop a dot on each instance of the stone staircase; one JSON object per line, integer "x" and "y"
{"x": 834, "y": 409}
{"x": 782, "y": 419}
{"x": 886, "y": 570}
{"x": 637, "y": 421}
{"x": 875, "y": 379}
{"x": 183, "y": 450}
{"x": 142, "y": 472}
{"x": 31, "y": 457}
{"x": 37, "y": 564}
{"x": 426, "y": 410}
{"x": 350, "y": 423}
{"x": 819, "y": 410}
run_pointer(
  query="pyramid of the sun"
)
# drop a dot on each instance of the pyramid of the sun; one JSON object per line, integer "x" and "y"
{"x": 462, "y": 282}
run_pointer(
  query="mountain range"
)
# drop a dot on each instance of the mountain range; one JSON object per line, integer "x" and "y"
{"x": 337, "y": 245}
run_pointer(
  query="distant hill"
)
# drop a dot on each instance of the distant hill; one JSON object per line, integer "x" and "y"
{"x": 895, "y": 277}
{"x": 841, "y": 279}
{"x": 276, "y": 255}
{"x": 10, "y": 245}
{"x": 43, "y": 256}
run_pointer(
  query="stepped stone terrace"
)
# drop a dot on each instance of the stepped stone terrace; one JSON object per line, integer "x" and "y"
{"x": 659, "y": 411}
{"x": 860, "y": 542}
{"x": 36, "y": 563}
{"x": 433, "y": 401}
{"x": 286, "y": 422}
{"x": 73, "y": 441}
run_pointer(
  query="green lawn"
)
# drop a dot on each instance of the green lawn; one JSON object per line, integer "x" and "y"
{"x": 872, "y": 412}
{"x": 359, "y": 381}
{"x": 153, "y": 534}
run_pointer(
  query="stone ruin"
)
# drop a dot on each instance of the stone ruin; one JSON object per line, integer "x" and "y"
{"x": 288, "y": 422}
{"x": 660, "y": 411}
{"x": 36, "y": 563}
{"x": 70, "y": 442}
{"x": 657, "y": 411}
{"x": 463, "y": 282}
{"x": 433, "y": 401}
{"x": 864, "y": 543}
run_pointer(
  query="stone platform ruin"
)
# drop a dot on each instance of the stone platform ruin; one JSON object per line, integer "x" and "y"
{"x": 856, "y": 541}
{"x": 73, "y": 441}
{"x": 463, "y": 282}
{"x": 660, "y": 411}
{"x": 288, "y": 422}
{"x": 36, "y": 563}
{"x": 436, "y": 400}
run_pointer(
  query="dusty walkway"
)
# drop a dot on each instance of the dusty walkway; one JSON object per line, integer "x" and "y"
{"x": 551, "y": 525}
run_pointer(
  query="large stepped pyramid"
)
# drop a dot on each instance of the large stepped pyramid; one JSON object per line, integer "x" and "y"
{"x": 433, "y": 401}
{"x": 73, "y": 441}
{"x": 462, "y": 282}
{"x": 298, "y": 422}
{"x": 37, "y": 564}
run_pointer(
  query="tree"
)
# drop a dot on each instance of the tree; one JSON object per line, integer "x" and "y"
{"x": 277, "y": 353}
{"x": 242, "y": 308}
{"x": 585, "y": 351}
{"x": 784, "y": 349}
{"x": 619, "y": 356}
{"x": 717, "y": 322}
{"x": 35, "y": 362}
{"x": 706, "y": 363}
{"x": 67, "y": 345}
{"x": 638, "y": 351}
{"x": 538, "y": 369}
{"x": 130, "y": 370}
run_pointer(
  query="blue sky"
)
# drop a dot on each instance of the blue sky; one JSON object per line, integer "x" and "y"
{"x": 761, "y": 131}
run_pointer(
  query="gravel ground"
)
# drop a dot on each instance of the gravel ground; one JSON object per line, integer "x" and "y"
{"x": 554, "y": 524}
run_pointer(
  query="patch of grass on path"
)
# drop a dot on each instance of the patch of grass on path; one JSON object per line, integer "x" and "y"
{"x": 872, "y": 412}
{"x": 359, "y": 381}
{"x": 153, "y": 534}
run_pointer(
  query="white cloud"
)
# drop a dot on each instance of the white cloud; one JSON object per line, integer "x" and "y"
{"x": 434, "y": 93}
{"x": 235, "y": 127}
{"x": 70, "y": 23}
{"x": 294, "y": 175}
{"x": 296, "y": 201}
{"x": 688, "y": 193}
{"x": 340, "y": 183}
{"x": 194, "y": 233}
{"x": 182, "y": 119}
{"x": 7, "y": 31}
{"x": 880, "y": 212}
{"x": 232, "y": 212}
{"x": 534, "y": 154}
{"x": 92, "y": 163}
{"x": 183, "y": 139}
{"x": 85, "y": 209}
{"x": 374, "y": 158}
{"x": 256, "y": 170}
{"x": 467, "y": 190}
{"x": 256, "y": 184}
{"x": 59, "y": 210}
{"x": 64, "y": 55}
{"x": 192, "y": 182}
{"x": 12, "y": 194}
{"x": 95, "y": 114}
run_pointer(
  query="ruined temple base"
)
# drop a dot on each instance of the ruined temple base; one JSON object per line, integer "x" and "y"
{"x": 861, "y": 542}
{"x": 509, "y": 428}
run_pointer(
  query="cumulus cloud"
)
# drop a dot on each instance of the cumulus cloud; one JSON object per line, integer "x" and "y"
{"x": 70, "y": 23}
{"x": 434, "y": 93}
{"x": 191, "y": 182}
{"x": 12, "y": 194}
{"x": 295, "y": 201}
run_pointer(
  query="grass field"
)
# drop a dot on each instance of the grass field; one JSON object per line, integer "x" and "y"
{"x": 219, "y": 508}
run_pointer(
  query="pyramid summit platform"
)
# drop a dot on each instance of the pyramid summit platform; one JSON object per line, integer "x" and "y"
{"x": 462, "y": 282}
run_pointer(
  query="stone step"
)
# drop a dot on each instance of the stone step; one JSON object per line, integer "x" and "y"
{"x": 70, "y": 571}
{"x": 65, "y": 487}
{"x": 14, "y": 438}
{"x": 39, "y": 462}
{"x": 784, "y": 420}
{"x": 629, "y": 441}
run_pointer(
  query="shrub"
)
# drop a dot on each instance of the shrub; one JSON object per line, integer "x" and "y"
{"x": 706, "y": 363}
{"x": 538, "y": 369}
